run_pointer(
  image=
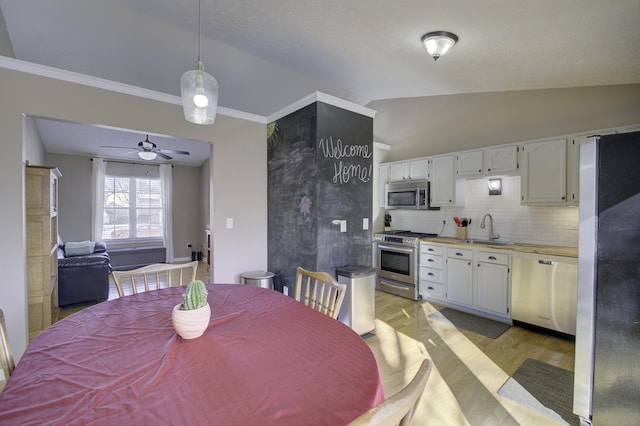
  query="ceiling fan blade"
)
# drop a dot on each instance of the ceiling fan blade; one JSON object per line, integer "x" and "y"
{"x": 119, "y": 147}
{"x": 172, "y": 151}
{"x": 166, "y": 157}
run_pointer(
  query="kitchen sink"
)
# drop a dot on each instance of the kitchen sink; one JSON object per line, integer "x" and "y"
{"x": 490, "y": 242}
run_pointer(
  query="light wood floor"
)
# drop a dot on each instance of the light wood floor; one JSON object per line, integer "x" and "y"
{"x": 468, "y": 368}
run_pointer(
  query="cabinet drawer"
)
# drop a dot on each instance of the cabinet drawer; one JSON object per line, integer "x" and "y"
{"x": 460, "y": 253}
{"x": 431, "y": 290}
{"x": 431, "y": 249}
{"x": 430, "y": 260}
{"x": 493, "y": 257}
{"x": 431, "y": 274}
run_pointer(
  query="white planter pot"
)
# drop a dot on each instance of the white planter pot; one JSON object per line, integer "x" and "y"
{"x": 191, "y": 324}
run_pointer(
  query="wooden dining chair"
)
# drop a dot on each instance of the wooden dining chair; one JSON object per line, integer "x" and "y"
{"x": 319, "y": 291}
{"x": 6, "y": 358}
{"x": 399, "y": 408}
{"x": 155, "y": 276}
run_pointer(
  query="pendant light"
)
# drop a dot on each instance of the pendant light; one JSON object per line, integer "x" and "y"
{"x": 438, "y": 43}
{"x": 199, "y": 90}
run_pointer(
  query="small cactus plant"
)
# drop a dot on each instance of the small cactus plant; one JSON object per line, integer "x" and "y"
{"x": 195, "y": 296}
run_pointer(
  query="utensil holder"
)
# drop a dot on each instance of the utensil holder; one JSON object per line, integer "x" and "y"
{"x": 462, "y": 232}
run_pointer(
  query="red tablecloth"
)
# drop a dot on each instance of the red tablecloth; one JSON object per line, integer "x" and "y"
{"x": 264, "y": 359}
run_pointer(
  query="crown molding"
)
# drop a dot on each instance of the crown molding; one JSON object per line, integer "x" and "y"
{"x": 325, "y": 98}
{"x": 381, "y": 145}
{"x": 113, "y": 86}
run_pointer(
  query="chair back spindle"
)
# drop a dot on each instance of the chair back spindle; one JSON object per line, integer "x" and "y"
{"x": 158, "y": 275}
{"x": 319, "y": 291}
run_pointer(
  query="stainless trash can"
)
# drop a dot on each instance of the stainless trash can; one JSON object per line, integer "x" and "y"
{"x": 358, "y": 309}
{"x": 262, "y": 279}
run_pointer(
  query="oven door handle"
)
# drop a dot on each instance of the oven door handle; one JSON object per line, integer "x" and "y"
{"x": 397, "y": 249}
{"x": 406, "y": 288}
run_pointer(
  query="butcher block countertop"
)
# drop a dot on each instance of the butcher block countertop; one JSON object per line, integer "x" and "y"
{"x": 517, "y": 247}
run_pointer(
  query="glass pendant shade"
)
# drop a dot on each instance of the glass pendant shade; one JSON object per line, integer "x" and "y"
{"x": 438, "y": 43}
{"x": 199, "y": 92}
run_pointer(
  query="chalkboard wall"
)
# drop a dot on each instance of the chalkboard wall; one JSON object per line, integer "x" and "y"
{"x": 320, "y": 169}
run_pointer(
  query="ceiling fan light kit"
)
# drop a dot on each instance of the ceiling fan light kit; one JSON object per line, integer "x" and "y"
{"x": 147, "y": 155}
{"x": 199, "y": 91}
{"x": 438, "y": 43}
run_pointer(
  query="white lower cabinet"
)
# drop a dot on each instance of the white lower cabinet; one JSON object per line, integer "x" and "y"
{"x": 459, "y": 276}
{"x": 431, "y": 273}
{"x": 473, "y": 279}
{"x": 492, "y": 282}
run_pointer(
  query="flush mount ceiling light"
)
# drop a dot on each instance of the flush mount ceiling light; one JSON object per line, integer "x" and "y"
{"x": 199, "y": 90}
{"x": 147, "y": 155}
{"x": 438, "y": 43}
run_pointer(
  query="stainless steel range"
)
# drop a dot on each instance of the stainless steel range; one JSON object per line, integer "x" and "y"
{"x": 397, "y": 256}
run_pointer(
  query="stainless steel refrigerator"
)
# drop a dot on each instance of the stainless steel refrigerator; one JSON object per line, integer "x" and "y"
{"x": 607, "y": 366}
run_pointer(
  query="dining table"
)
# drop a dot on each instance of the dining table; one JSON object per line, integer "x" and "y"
{"x": 264, "y": 359}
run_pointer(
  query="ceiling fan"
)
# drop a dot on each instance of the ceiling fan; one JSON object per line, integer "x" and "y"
{"x": 148, "y": 150}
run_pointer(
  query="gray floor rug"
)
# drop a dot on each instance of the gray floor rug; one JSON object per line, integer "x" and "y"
{"x": 544, "y": 388}
{"x": 486, "y": 327}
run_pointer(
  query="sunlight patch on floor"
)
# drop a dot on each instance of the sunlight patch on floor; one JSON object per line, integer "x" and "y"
{"x": 485, "y": 370}
{"x": 402, "y": 356}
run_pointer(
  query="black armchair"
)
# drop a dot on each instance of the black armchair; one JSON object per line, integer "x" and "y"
{"x": 83, "y": 278}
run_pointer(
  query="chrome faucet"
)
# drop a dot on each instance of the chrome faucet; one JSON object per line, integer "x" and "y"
{"x": 492, "y": 236}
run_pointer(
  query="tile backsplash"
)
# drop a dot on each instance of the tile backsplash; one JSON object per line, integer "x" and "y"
{"x": 556, "y": 226}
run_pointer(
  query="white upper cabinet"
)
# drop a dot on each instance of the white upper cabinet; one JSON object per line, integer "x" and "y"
{"x": 492, "y": 161}
{"x": 383, "y": 176}
{"x": 544, "y": 172}
{"x": 419, "y": 168}
{"x": 573, "y": 164}
{"x": 398, "y": 171}
{"x": 501, "y": 159}
{"x": 470, "y": 163}
{"x": 442, "y": 179}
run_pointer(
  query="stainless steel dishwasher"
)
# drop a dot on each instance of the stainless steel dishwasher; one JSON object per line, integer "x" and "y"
{"x": 544, "y": 291}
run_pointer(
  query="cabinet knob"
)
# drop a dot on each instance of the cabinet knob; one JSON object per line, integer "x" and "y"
{"x": 430, "y": 274}
{"x": 458, "y": 254}
{"x": 480, "y": 171}
{"x": 430, "y": 288}
{"x": 492, "y": 257}
{"x": 429, "y": 260}
{"x": 488, "y": 170}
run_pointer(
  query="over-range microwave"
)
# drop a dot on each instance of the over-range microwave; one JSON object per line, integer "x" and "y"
{"x": 408, "y": 195}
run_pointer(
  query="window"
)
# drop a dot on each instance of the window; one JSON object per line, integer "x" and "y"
{"x": 132, "y": 208}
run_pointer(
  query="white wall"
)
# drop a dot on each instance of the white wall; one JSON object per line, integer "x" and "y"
{"x": 418, "y": 127}
{"x": 240, "y": 157}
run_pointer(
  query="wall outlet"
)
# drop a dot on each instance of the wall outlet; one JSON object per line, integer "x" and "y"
{"x": 365, "y": 223}
{"x": 285, "y": 290}
{"x": 343, "y": 226}
{"x": 229, "y": 223}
